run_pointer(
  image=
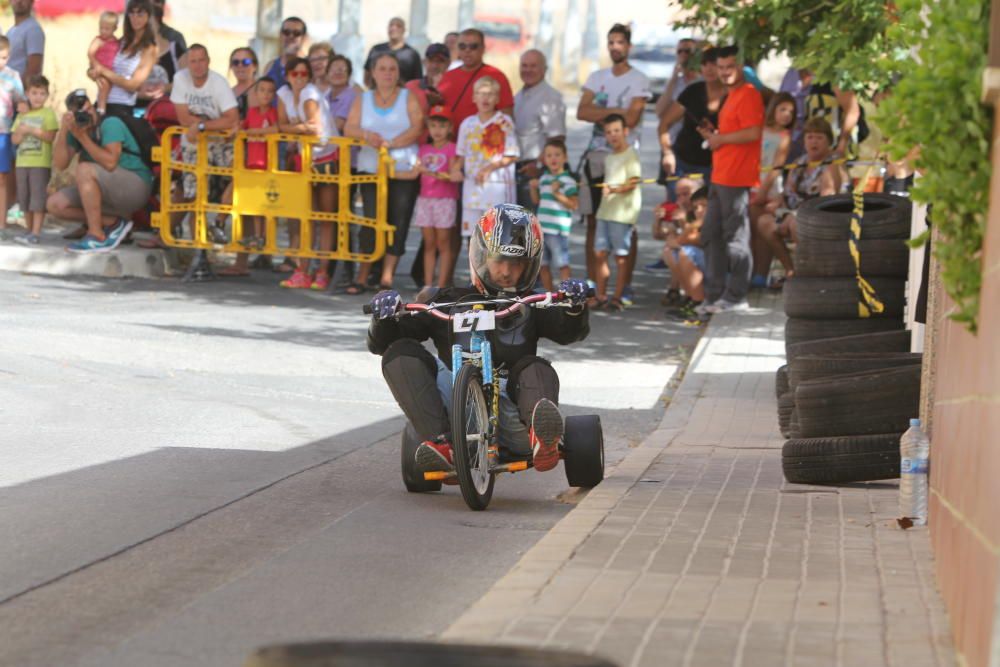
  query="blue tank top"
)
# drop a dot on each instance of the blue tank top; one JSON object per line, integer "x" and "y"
{"x": 389, "y": 123}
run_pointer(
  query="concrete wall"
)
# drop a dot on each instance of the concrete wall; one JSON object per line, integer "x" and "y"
{"x": 965, "y": 456}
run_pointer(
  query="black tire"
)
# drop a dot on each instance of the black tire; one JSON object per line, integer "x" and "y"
{"x": 583, "y": 451}
{"x": 880, "y": 401}
{"x": 413, "y": 479}
{"x": 781, "y": 380}
{"x": 829, "y": 218}
{"x": 469, "y": 409}
{"x": 810, "y": 367}
{"x": 793, "y": 424}
{"x": 882, "y": 257}
{"x": 882, "y": 341}
{"x": 800, "y": 330}
{"x": 837, "y": 298}
{"x": 839, "y": 460}
{"x": 786, "y": 403}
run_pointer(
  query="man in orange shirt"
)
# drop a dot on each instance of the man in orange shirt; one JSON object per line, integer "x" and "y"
{"x": 456, "y": 85}
{"x": 735, "y": 150}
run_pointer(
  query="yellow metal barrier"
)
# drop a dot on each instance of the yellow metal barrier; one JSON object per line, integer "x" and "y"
{"x": 272, "y": 194}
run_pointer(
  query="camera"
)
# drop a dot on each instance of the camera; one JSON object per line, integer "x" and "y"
{"x": 76, "y": 102}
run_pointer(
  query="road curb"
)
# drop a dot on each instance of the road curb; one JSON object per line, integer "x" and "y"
{"x": 487, "y": 618}
{"x": 52, "y": 260}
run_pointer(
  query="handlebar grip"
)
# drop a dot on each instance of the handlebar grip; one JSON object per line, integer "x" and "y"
{"x": 366, "y": 309}
{"x": 591, "y": 292}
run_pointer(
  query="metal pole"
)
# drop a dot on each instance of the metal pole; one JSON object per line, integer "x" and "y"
{"x": 570, "y": 57}
{"x": 348, "y": 39}
{"x": 466, "y": 13}
{"x": 591, "y": 44}
{"x": 543, "y": 39}
{"x": 265, "y": 39}
{"x": 418, "y": 38}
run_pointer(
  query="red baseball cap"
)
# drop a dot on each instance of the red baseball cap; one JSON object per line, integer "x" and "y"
{"x": 439, "y": 111}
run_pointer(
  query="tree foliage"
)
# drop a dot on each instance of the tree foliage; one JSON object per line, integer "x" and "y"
{"x": 934, "y": 55}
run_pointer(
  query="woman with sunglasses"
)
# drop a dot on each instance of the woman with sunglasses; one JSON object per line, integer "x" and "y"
{"x": 302, "y": 109}
{"x": 134, "y": 61}
{"x": 386, "y": 117}
{"x": 243, "y": 65}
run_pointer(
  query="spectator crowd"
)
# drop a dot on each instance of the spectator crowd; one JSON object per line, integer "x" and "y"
{"x": 737, "y": 158}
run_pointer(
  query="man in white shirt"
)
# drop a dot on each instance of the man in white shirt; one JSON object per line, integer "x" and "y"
{"x": 539, "y": 115}
{"x": 622, "y": 90}
{"x": 204, "y": 103}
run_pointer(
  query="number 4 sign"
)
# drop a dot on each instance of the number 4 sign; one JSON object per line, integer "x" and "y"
{"x": 475, "y": 320}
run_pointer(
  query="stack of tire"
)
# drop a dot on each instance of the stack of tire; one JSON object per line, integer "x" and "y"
{"x": 850, "y": 385}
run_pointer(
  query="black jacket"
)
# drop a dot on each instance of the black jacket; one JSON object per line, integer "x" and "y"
{"x": 516, "y": 336}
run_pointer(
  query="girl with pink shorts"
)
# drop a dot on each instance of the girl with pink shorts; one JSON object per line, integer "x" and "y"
{"x": 435, "y": 209}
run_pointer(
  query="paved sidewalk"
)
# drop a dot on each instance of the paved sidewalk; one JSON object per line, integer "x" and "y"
{"x": 695, "y": 551}
{"x": 50, "y": 258}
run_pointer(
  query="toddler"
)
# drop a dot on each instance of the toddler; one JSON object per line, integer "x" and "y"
{"x": 33, "y": 133}
{"x": 102, "y": 51}
{"x": 555, "y": 195}
{"x": 435, "y": 209}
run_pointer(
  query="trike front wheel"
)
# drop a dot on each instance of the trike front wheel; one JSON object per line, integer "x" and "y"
{"x": 470, "y": 420}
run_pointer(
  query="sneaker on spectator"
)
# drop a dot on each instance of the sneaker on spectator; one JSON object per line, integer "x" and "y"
{"x": 298, "y": 280}
{"x": 321, "y": 281}
{"x": 658, "y": 265}
{"x": 704, "y": 309}
{"x": 118, "y": 232}
{"x": 90, "y": 244}
{"x": 723, "y": 306}
{"x": 545, "y": 435}
{"x": 628, "y": 296}
{"x": 28, "y": 239}
{"x": 758, "y": 281}
{"x": 217, "y": 235}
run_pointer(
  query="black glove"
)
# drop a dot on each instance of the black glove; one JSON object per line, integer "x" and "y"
{"x": 385, "y": 304}
{"x": 575, "y": 290}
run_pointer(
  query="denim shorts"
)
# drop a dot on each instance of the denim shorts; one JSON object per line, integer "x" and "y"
{"x": 695, "y": 253}
{"x": 613, "y": 237}
{"x": 6, "y": 153}
{"x": 555, "y": 252}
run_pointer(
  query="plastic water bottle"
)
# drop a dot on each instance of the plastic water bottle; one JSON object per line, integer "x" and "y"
{"x": 914, "y": 452}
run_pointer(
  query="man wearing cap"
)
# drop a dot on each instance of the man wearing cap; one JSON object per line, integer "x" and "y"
{"x": 407, "y": 56}
{"x": 539, "y": 115}
{"x": 112, "y": 181}
{"x": 457, "y": 84}
{"x": 436, "y": 60}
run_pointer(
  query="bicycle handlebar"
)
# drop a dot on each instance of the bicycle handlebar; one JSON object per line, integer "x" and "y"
{"x": 543, "y": 300}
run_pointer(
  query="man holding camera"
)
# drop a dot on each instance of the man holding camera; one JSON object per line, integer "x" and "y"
{"x": 112, "y": 181}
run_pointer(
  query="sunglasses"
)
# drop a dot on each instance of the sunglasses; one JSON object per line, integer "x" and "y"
{"x": 291, "y": 32}
{"x": 245, "y": 62}
{"x": 462, "y": 46}
{"x": 298, "y": 74}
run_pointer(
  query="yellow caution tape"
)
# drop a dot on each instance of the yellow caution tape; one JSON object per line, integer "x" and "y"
{"x": 869, "y": 301}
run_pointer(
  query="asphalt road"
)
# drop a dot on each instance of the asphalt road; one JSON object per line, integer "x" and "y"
{"x": 190, "y": 471}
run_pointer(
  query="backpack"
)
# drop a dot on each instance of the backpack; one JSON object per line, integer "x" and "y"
{"x": 143, "y": 133}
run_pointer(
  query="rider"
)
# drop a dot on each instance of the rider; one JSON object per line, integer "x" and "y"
{"x": 505, "y": 254}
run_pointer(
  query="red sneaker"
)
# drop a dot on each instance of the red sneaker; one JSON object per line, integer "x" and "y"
{"x": 298, "y": 280}
{"x": 546, "y": 434}
{"x": 435, "y": 456}
{"x": 321, "y": 281}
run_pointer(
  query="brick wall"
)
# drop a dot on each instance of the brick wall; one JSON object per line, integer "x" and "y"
{"x": 965, "y": 455}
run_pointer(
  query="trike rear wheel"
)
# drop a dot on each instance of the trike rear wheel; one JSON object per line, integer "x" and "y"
{"x": 583, "y": 451}
{"x": 470, "y": 420}
{"x": 413, "y": 478}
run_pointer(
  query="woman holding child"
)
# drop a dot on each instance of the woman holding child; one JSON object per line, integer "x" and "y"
{"x": 134, "y": 61}
{"x": 386, "y": 117}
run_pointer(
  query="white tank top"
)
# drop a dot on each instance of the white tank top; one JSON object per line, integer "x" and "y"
{"x": 296, "y": 114}
{"x": 125, "y": 65}
{"x": 389, "y": 123}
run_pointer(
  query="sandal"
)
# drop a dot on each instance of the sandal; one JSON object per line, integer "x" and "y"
{"x": 776, "y": 284}
{"x": 233, "y": 272}
{"x": 355, "y": 288}
{"x": 614, "y": 305}
{"x": 286, "y": 266}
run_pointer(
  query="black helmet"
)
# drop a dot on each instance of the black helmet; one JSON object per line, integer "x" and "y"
{"x": 506, "y": 236}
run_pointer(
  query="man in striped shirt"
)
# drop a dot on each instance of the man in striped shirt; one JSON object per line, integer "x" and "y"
{"x": 555, "y": 194}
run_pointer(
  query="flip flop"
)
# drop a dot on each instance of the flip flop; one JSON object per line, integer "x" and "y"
{"x": 233, "y": 272}
{"x": 355, "y": 288}
{"x": 286, "y": 266}
{"x": 614, "y": 305}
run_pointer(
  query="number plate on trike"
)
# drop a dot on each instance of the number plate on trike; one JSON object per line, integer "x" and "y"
{"x": 474, "y": 320}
